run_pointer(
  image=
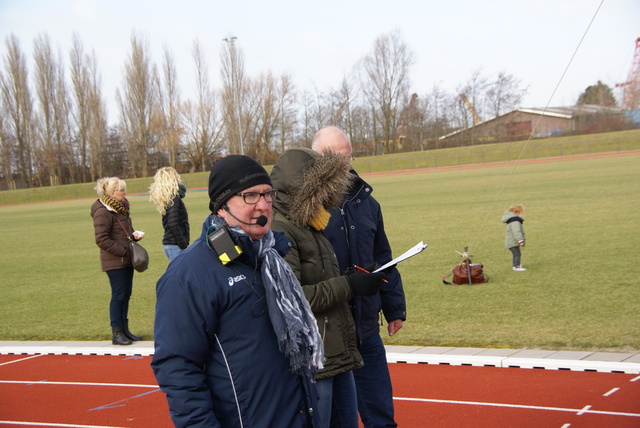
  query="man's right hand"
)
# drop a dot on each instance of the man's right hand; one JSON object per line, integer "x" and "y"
{"x": 365, "y": 284}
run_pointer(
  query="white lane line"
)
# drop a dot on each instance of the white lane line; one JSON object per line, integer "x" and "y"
{"x": 635, "y": 379}
{"x": 611, "y": 392}
{"x": 46, "y": 382}
{"x": 586, "y": 409}
{"x": 566, "y": 426}
{"x": 21, "y": 359}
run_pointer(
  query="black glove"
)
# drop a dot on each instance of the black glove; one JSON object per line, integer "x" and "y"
{"x": 352, "y": 269}
{"x": 389, "y": 269}
{"x": 365, "y": 284}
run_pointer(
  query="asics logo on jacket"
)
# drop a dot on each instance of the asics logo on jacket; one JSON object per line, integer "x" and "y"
{"x": 234, "y": 279}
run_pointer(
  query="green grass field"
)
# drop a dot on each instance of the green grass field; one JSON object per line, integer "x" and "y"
{"x": 581, "y": 290}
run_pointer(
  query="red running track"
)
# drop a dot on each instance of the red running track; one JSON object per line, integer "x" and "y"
{"x": 120, "y": 391}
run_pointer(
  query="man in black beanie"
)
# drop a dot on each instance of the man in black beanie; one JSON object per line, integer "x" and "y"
{"x": 246, "y": 179}
{"x": 236, "y": 342}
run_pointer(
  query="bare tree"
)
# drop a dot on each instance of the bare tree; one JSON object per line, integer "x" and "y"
{"x": 6, "y": 150}
{"x": 306, "y": 106}
{"x": 169, "y": 106}
{"x": 45, "y": 83}
{"x": 271, "y": 116}
{"x": 436, "y": 111}
{"x": 81, "y": 109}
{"x": 233, "y": 95}
{"x": 504, "y": 94}
{"x": 253, "y": 111}
{"x": 18, "y": 104}
{"x": 342, "y": 116}
{"x": 266, "y": 119}
{"x": 470, "y": 104}
{"x": 287, "y": 105}
{"x": 54, "y": 112}
{"x": 97, "y": 132}
{"x": 89, "y": 109}
{"x": 385, "y": 83}
{"x": 137, "y": 101}
{"x": 322, "y": 109}
{"x": 202, "y": 127}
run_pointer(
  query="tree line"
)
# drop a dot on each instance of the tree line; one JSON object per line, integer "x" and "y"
{"x": 54, "y": 129}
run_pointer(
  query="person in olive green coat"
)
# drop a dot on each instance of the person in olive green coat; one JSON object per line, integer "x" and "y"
{"x": 309, "y": 185}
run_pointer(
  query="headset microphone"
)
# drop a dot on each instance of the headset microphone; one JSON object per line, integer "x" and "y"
{"x": 260, "y": 221}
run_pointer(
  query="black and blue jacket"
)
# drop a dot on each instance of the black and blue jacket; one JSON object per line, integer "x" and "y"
{"x": 216, "y": 355}
{"x": 356, "y": 232}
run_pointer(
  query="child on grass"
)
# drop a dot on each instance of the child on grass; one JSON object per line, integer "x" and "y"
{"x": 514, "y": 236}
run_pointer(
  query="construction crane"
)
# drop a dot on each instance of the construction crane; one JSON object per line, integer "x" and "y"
{"x": 631, "y": 88}
{"x": 476, "y": 118}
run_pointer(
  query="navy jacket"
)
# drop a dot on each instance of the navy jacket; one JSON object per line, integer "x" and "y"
{"x": 356, "y": 232}
{"x": 216, "y": 355}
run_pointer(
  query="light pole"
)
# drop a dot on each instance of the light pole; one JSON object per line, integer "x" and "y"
{"x": 234, "y": 82}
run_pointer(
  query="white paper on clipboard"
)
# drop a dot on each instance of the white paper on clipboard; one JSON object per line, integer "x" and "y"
{"x": 417, "y": 249}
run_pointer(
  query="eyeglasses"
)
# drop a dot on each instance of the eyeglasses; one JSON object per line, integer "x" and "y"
{"x": 253, "y": 198}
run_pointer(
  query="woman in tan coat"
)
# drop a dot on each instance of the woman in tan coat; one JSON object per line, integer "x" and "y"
{"x": 113, "y": 227}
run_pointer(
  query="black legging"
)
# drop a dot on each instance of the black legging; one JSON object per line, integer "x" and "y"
{"x": 516, "y": 255}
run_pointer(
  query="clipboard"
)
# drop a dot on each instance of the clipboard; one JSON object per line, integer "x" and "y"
{"x": 417, "y": 249}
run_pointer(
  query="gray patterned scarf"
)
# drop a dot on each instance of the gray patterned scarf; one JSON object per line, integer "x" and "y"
{"x": 291, "y": 316}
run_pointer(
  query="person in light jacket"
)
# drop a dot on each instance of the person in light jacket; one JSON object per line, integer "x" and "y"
{"x": 514, "y": 234}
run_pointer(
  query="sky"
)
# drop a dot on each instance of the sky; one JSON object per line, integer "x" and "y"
{"x": 555, "y": 48}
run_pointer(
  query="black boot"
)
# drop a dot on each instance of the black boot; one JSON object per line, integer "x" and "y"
{"x": 128, "y": 334}
{"x": 118, "y": 337}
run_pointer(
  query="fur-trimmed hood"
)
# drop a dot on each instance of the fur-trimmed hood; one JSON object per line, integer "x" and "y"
{"x": 308, "y": 181}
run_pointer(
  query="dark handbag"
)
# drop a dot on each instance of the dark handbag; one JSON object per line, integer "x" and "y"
{"x": 461, "y": 274}
{"x": 139, "y": 256}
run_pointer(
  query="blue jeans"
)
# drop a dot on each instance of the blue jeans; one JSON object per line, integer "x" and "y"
{"x": 373, "y": 383}
{"x": 121, "y": 281}
{"x": 172, "y": 251}
{"x": 337, "y": 404}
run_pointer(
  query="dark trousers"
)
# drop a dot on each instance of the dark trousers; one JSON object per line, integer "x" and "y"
{"x": 516, "y": 255}
{"x": 373, "y": 385}
{"x": 121, "y": 281}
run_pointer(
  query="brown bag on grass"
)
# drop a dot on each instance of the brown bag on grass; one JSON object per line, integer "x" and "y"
{"x": 461, "y": 274}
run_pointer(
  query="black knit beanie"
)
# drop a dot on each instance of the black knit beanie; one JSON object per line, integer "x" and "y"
{"x": 233, "y": 174}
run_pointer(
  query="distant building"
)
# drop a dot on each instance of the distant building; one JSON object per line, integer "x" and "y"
{"x": 521, "y": 123}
